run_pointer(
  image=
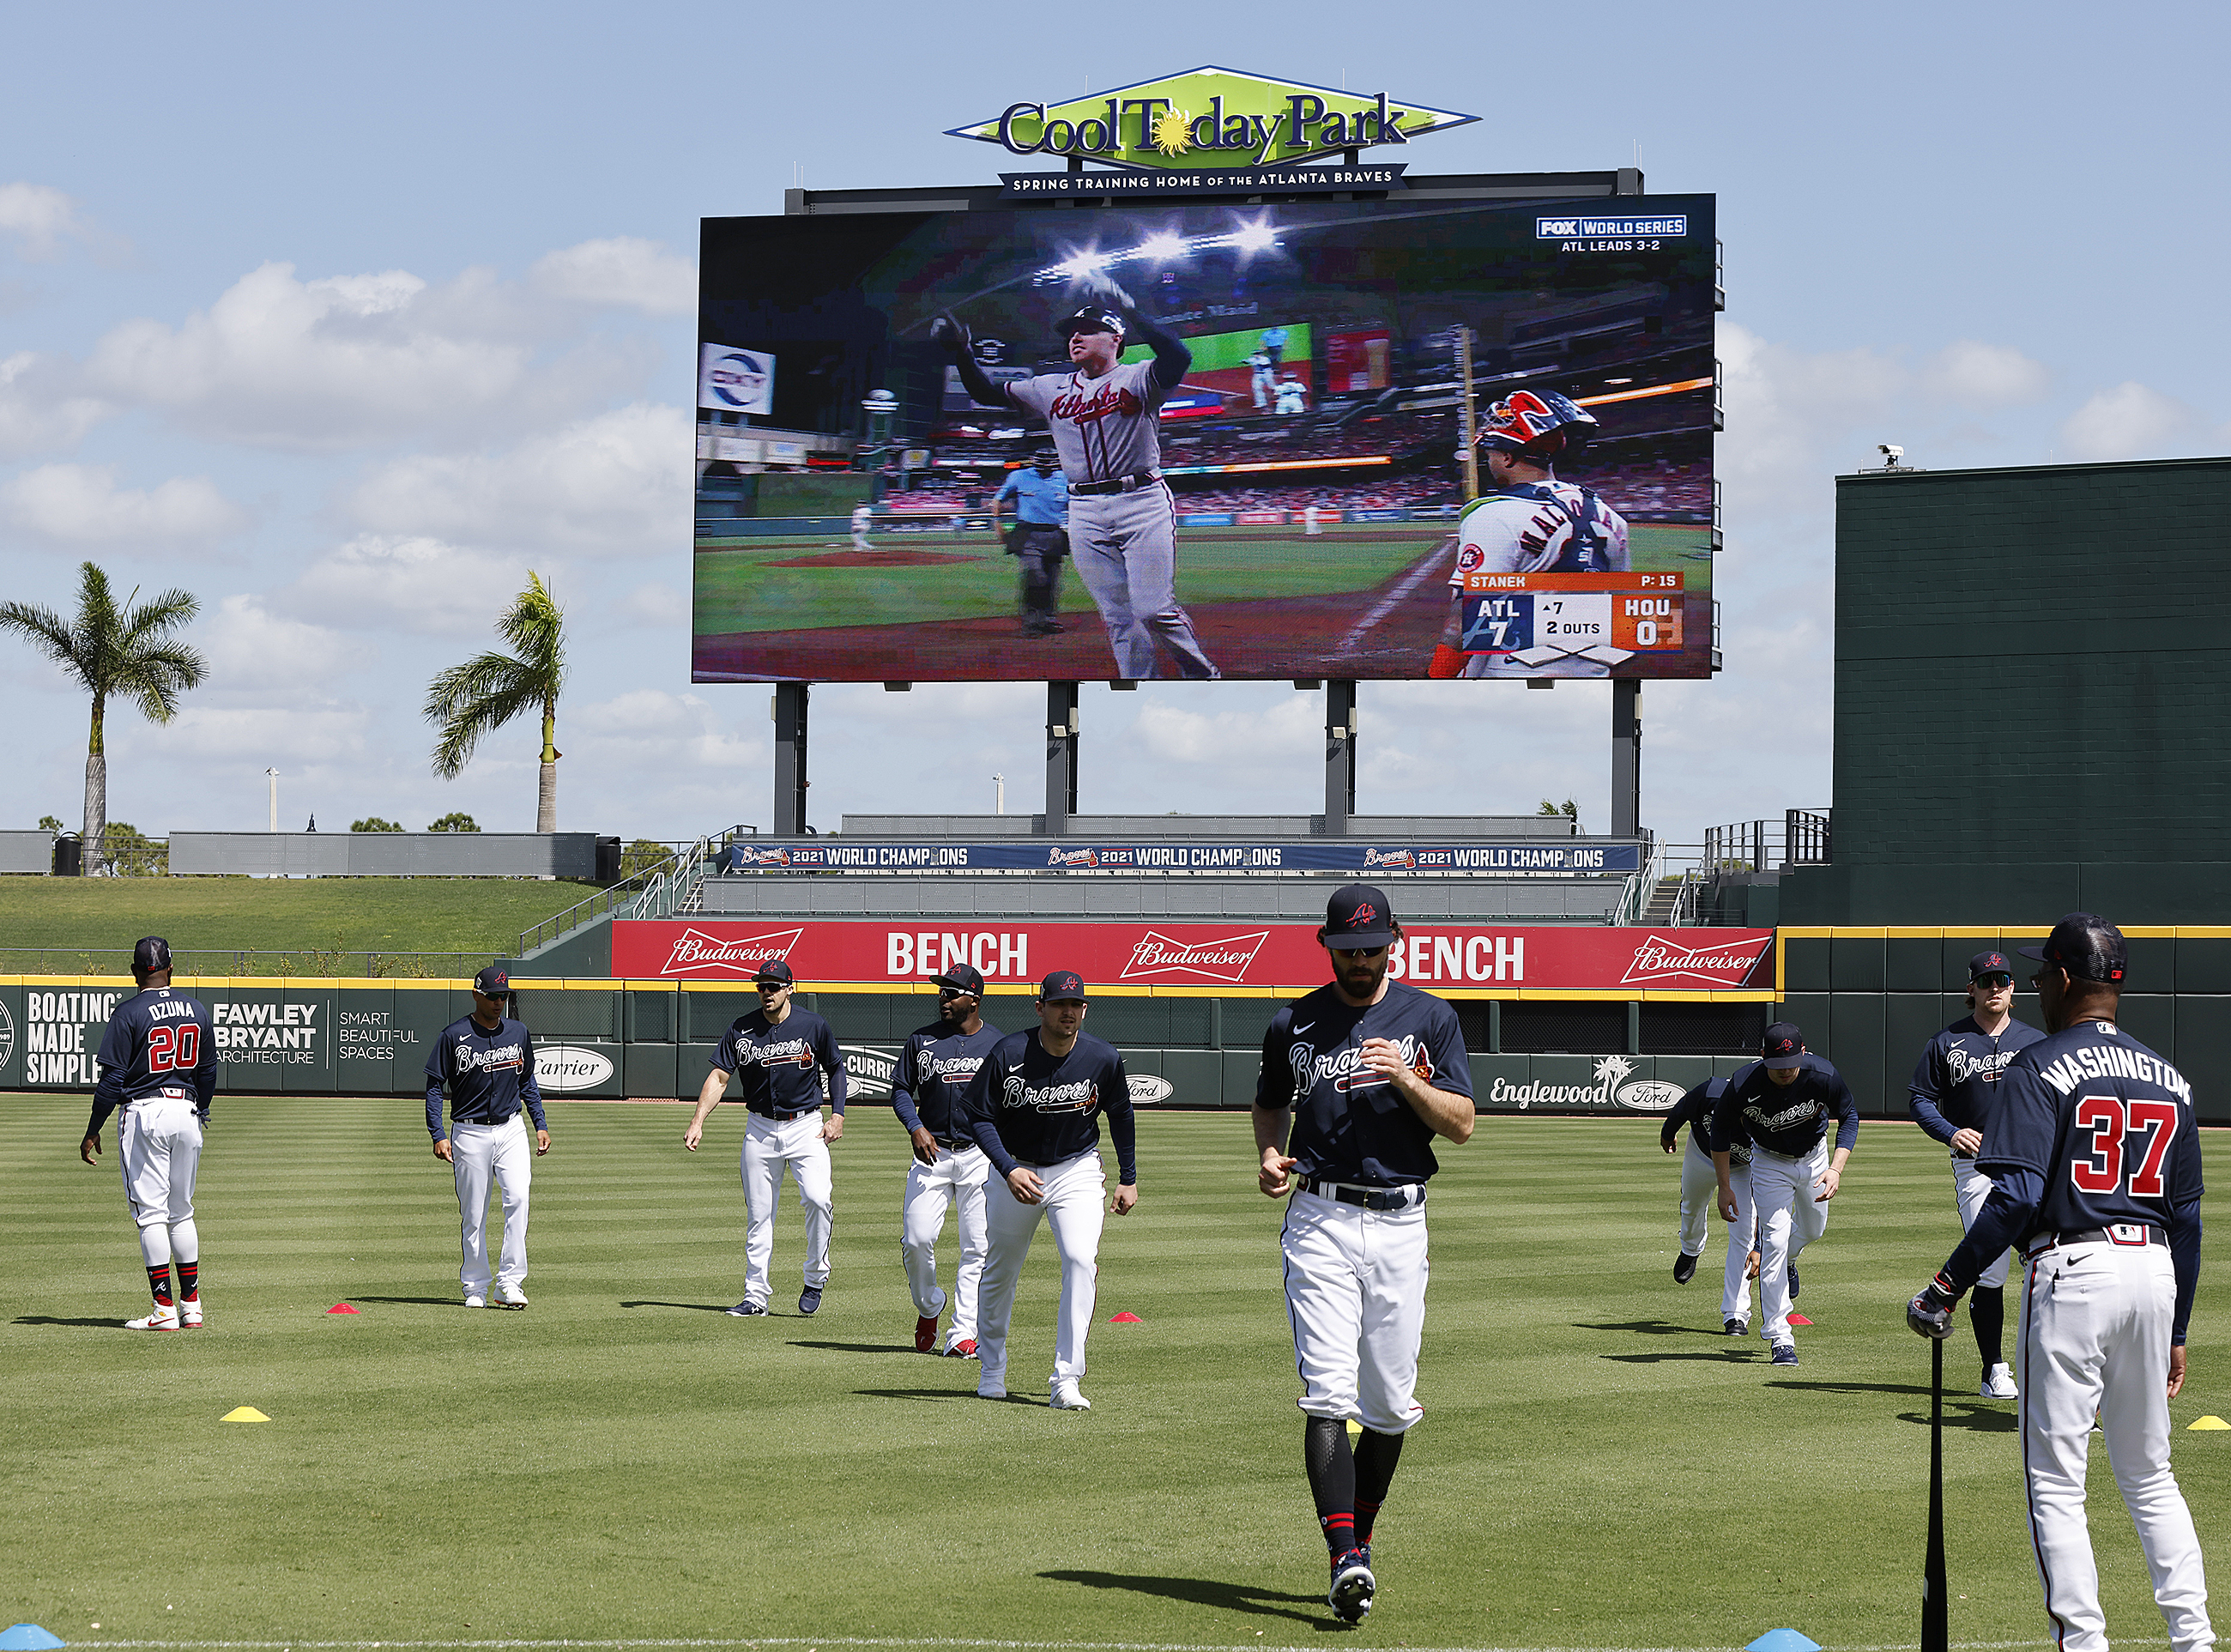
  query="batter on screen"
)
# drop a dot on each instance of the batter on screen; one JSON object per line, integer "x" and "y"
{"x": 1357, "y": 1079}
{"x": 1104, "y": 415}
{"x": 2094, "y": 1158}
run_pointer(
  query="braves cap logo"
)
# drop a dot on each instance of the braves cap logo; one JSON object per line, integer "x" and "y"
{"x": 1365, "y": 913}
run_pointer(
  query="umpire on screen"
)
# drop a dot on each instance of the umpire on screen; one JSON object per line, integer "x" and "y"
{"x": 1039, "y": 539}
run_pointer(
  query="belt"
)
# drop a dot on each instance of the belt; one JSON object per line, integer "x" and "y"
{"x": 1131, "y": 484}
{"x": 488, "y": 1123}
{"x": 1794, "y": 1158}
{"x": 782, "y": 1117}
{"x": 958, "y": 1143}
{"x": 1369, "y": 1198}
{"x": 2123, "y": 1232}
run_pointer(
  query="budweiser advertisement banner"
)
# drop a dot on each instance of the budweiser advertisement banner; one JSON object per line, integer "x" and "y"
{"x": 1202, "y": 957}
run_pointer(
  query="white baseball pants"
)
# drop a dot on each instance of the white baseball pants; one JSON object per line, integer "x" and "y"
{"x": 2095, "y": 1335}
{"x": 1125, "y": 546}
{"x": 479, "y": 1153}
{"x": 1700, "y": 1199}
{"x": 956, "y": 1179}
{"x": 1970, "y": 1187}
{"x": 770, "y": 1148}
{"x": 1788, "y": 1219}
{"x": 1355, "y": 1295}
{"x": 159, "y": 1150}
{"x": 1071, "y": 1203}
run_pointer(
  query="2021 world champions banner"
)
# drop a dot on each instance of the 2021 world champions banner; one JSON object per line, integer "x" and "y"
{"x": 1518, "y": 856}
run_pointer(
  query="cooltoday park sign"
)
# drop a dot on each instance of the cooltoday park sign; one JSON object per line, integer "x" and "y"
{"x": 1211, "y": 128}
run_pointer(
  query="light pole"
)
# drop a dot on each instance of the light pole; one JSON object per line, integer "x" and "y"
{"x": 998, "y": 794}
{"x": 273, "y": 775}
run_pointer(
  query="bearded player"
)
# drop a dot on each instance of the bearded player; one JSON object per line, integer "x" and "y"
{"x": 1104, "y": 415}
{"x": 1532, "y": 524}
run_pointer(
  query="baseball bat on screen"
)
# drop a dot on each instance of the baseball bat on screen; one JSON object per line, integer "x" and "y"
{"x": 1934, "y": 1637}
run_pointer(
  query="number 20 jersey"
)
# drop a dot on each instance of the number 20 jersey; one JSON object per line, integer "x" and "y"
{"x": 2106, "y": 1122}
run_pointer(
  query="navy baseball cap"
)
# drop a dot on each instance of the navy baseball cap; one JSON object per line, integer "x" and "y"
{"x": 774, "y": 972}
{"x": 1358, "y": 919}
{"x": 1990, "y": 963}
{"x": 149, "y": 954}
{"x": 495, "y": 981}
{"x": 1783, "y": 1046}
{"x": 1062, "y": 983}
{"x": 2087, "y": 946}
{"x": 962, "y": 979}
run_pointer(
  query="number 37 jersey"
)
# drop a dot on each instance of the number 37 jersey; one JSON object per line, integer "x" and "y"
{"x": 2106, "y": 1122}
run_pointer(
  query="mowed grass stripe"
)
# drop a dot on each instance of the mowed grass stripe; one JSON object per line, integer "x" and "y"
{"x": 1597, "y": 1468}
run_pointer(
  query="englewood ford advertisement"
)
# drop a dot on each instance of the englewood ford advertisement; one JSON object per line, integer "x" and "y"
{"x": 1206, "y": 957}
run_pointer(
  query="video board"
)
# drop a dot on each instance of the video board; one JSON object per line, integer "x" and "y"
{"x": 1311, "y": 518}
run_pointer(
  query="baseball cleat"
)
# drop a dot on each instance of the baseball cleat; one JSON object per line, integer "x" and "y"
{"x": 992, "y": 1388}
{"x": 965, "y": 1349}
{"x": 164, "y": 1317}
{"x": 1353, "y": 1586}
{"x": 809, "y": 1300}
{"x": 747, "y": 1309}
{"x": 1736, "y": 1328}
{"x": 510, "y": 1296}
{"x": 1684, "y": 1268}
{"x": 1785, "y": 1353}
{"x": 475, "y": 1299}
{"x": 1792, "y": 1281}
{"x": 190, "y": 1314}
{"x": 1999, "y": 1383}
{"x": 925, "y": 1333}
{"x": 1068, "y": 1397}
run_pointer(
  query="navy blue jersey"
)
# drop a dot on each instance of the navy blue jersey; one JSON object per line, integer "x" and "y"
{"x": 1351, "y": 1125}
{"x": 1789, "y": 1119}
{"x": 774, "y": 1064}
{"x": 935, "y": 1070}
{"x": 1958, "y": 1077}
{"x": 1695, "y": 1109}
{"x": 489, "y": 1075}
{"x": 159, "y": 1042}
{"x": 1027, "y": 1105}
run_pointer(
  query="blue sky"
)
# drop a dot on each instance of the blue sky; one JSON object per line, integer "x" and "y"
{"x": 343, "y": 321}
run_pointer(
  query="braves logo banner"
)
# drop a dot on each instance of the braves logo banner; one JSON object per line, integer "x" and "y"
{"x": 1276, "y": 956}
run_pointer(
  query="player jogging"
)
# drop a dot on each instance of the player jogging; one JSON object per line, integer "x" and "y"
{"x": 1532, "y": 523}
{"x": 1038, "y": 543}
{"x": 486, "y": 1061}
{"x": 1104, "y": 415}
{"x": 1951, "y": 1096}
{"x": 936, "y": 1066}
{"x": 1699, "y": 1184}
{"x": 1357, "y": 1079}
{"x": 864, "y": 518}
{"x": 2094, "y": 1161}
{"x": 157, "y": 1064}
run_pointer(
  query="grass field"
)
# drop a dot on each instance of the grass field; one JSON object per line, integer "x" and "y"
{"x": 1597, "y": 1468}
{"x": 389, "y": 914}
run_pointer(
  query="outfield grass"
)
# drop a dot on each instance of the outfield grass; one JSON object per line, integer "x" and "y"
{"x": 272, "y": 914}
{"x": 1596, "y": 1468}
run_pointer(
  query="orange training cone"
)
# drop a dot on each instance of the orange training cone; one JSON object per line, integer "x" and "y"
{"x": 340, "y": 1307}
{"x": 1126, "y": 1318}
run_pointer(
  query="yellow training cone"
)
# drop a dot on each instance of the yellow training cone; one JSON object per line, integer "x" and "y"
{"x": 2207, "y": 1422}
{"x": 244, "y": 1414}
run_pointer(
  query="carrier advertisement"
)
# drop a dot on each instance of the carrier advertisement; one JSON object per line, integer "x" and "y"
{"x": 1267, "y": 428}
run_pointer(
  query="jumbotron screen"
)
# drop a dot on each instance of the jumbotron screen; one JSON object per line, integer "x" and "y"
{"x": 1292, "y": 372}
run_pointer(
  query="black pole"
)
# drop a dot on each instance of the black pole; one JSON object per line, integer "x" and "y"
{"x": 1935, "y": 1629}
{"x": 1339, "y": 756}
{"x": 790, "y": 781}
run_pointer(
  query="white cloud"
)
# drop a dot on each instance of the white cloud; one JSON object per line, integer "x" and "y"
{"x": 280, "y": 735}
{"x": 650, "y": 731}
{"x": 620, "y": 273}
{"x": 415, "y": 584}
{"x": 41, "y": 405}
{"x": 80, "y": 505}
{"x": 253, "y": 652}
{"x": 1276, "y": 737}
{"x": 1979, "y": 375}
{"x": 39, "y": 218}
{"x": 616, "y": 482}
{"x": 655, "y": 604}
{"x": 2129, "y": 422}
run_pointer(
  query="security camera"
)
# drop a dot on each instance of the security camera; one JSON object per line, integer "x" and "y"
{"x": 1891, "y": 454}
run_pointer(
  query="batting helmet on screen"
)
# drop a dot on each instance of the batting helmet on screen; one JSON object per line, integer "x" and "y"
{"x": 1045, "y": 455}
{"x": 1538, "y": 422}
{"x": 1090, "y": 319}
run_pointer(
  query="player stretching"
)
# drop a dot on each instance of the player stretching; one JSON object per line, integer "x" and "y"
{"x": 2094, "y": 1161}
{"x": 1377, "y": 1069}
{"x": 1532, "y": 523}
{"x": 158, "y": 1066}
{"x": 1104, "y": 415}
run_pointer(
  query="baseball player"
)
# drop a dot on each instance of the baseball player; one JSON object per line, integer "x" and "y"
{"x": 1293, "y": 398}
{"x": 1358, "y": 1078}
{"x": 774, "y": 1051}
{"x": 2094, "y": 1161}
{"x": 1532, "y": 524}
{"x": 1781, "y": 1104}
{"x": 486, "y": 1061}
{"x": 1699, "y": 1183}
{"x": 1262, "y": 377}
{"x": 935, "y": 1068}
{"x": 1953, "y": 1087}
{"x": 1034, "y": 1107}
{"x": 157, "y": 1064}
{"x": 1311, "y": 517}
{"x": 864, "y": 517}
{"x": 1104, "y": 416}
{"x": 1038, "y": 543}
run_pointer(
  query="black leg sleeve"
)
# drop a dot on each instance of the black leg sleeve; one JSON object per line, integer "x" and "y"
{"x": 1987, "y": 1311}
{"x": 1332, "y": 1479}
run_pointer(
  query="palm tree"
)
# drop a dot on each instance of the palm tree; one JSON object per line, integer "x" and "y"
{"x": 481, "y": 696}
{"x": 128, "y": 656}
